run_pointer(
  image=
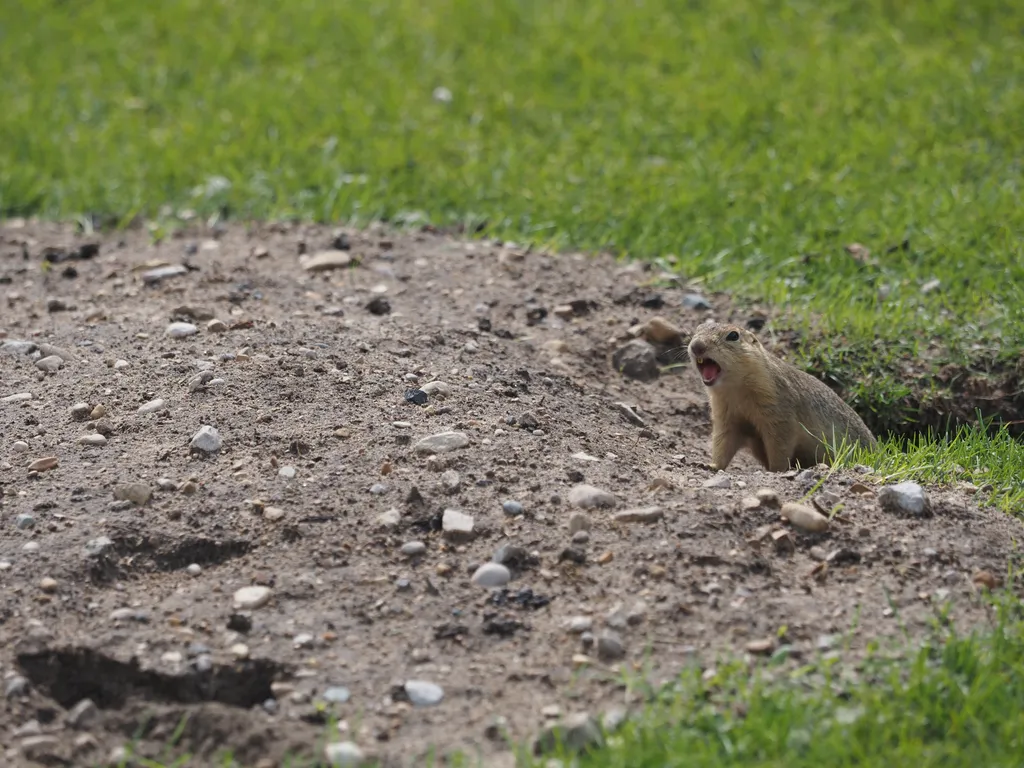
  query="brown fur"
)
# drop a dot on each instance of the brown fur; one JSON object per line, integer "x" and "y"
{"x": 771, "y": 408}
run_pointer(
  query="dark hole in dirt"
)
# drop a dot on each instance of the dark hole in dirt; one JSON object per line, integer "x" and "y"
{"x": 71, "y": 674}
{"x": 137, "y": 553}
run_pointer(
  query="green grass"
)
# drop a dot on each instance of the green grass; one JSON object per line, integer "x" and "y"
{"x": 740, "y": 143}
{"x": 956, "y": 701}
{"x": 744, "y": 143}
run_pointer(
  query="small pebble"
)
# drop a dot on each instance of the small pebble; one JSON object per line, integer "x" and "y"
{"x": 251, "y": 598}
{"x": 181, "y": 330}
{"x": 336, "y": 694}
{"x": 413, "y": 548}
{"x": 195, "y": 569}
{"x": 906, "y": 498}
{"x": 719, "y": 480}
{"x": 48, "y": 584}
{"x": 42, "y": 465}
{"x": 491, "y": 575}
{"x": 50, "y": 364}
{"x": 344, "y": 754}
{"x": 423, "y": 694}
{"x": 511, "y": 508}
{"x": 20, "y": 446}
{"x": 95, "y": 440}
{"x": 206, "y": 440}
{"x": 442, "y": 442}
{"x": 589, "y": 497}
{"x": 153, "y": 406}
{"x": 24, "y": 521}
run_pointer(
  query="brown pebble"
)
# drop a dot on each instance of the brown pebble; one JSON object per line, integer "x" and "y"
{"x": 605, "y": 557}
{"x": 42, "y": 465}
{"x": 768, "y": 497}
{"x": 805, "y": 518}
{"x": 48, "y": 584}
{"x": 761, "y": 646}
{"x": 985, "y": 579}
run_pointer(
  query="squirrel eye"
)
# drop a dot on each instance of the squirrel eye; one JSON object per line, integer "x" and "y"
{"x": 733, "y": 336}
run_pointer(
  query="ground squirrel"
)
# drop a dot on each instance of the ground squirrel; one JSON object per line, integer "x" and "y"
{"x": 764, "y": 404}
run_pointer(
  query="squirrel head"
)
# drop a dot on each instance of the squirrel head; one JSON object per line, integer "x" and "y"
{"x": 718, "y": 349}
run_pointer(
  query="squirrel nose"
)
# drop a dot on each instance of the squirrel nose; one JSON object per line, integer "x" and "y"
{"x": 697, "y": 349}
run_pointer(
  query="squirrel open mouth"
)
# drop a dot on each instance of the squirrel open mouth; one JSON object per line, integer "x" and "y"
{"x": 709, "y": 370}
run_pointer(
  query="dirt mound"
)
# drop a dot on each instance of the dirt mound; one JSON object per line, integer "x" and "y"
{"x": 347, "y": 438}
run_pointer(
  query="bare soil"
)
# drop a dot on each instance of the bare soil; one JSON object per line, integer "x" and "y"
{"x": 304, "y": 377}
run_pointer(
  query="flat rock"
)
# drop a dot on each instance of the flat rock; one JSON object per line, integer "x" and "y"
{"x": 718, "y": 480}
{"x": 327, "y": 260}
{"x": 93, "y": 439}
{"x": 181, "y": 330}
{"x": 491, "y": 575}
{"x": 442, "y": 443}
{"x": 639, "y": 515}
{"x": 905, "y": 498}
{"x": 44, "y": 464}
{"x": 50, "y": 364}
{"x": 344, "y": 754}
{"x": 589, "y": 497}
{"x": 137, "y": 493}
{"x": 423, "y": 693}
{"x": 154, "y": 276}
{"x": 438, "y": 389}
{"x": 251, "y": 598}
{"x": 804, "y": 518}
{"x": 153, "y": 406}
{"x": 457, "y": 526}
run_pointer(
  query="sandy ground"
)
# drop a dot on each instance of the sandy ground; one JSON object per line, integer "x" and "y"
{"x": 121, "y": 565}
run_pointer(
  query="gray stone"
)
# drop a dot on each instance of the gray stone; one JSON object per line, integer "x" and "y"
{"x": 17, "y": 347}
{"x": 136, "y": 493}
{"x": 580, "y": 537}
{"x": 457, "y": 526}
{"x": 413, "y": 548}
{"x": 153, "y": 406}
{"x": 805, "y": 476}
{"x": 718, "y": 480}
{"x": 578, "y": 522}
{"x": 610, "y": 646}
{"x": 17, "y": 397}
{"x": 580, "y": 624}
{"x": 344, "y": 754}
{"x": 639, "y": 515}
{"x": 905, "y": 498}
{"x": 576, "y": 733}
{"x": 423, "y": 694}
{"x": 389, "y": 519}
{"x": 181, "y": 330}
{"x": 206, "y": 440}
{"x": 50, "y": 364}
{"x": 437, "y": 389}
{"x": 695, "y": 301}
{"x": 589, "y": 497}
{"x": 451, "y": 481}
{"x": 24, "y": 521}
{"x": 442, "y": 443}
{"x": 98, "y": 547}
{"x": 512, "y": 508}
{"x": 16, "y": 686}
{"x": 288, "y": 472}
{"x": 80, "y": 411}
{"x": 251, "y": 598}
{"x": 510, "y": 554}
{"x": 154, "y": 276}
{"x": 491, "y": 575}
{"x": 336, "y": 694}
{"x": 94, "y": 439}
{"x": 637, "y": 360}
{"x": 82, "y": 714}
